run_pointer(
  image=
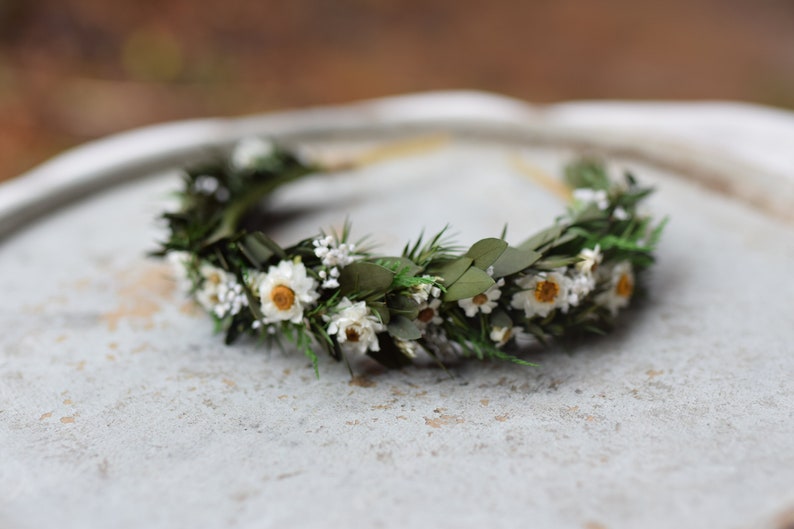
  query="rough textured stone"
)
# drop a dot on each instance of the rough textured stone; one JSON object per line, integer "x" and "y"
{"x": 118, "y": 407}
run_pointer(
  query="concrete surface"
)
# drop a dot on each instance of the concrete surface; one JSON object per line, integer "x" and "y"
{"x": 119, "y": 408}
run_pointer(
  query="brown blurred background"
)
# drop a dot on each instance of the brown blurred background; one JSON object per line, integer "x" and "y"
{"x": 72, "y": 70}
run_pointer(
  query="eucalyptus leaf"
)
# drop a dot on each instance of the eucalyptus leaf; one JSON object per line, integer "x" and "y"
{"x": 263, "y": 240}
{"x": 451, "y": 271}
{"x": 587, "y": 172}
{"x": 500, "y": 318}
{"x": 486, "y": 251}
{"x": 365, "y": 279}
{"x": 514, "y": 260}
{"x": 568, "y": 237}
{"x": 542, "y": 238}
{"x": 380, "y": 308}
{"x": 255, "y": 250}
{"x": 403, "y": 306}
{"x": 473, "y": 281}
{"x": 589, "y": 213}
{"x": 404, "y": 329}
{"x": 556, "y": 261}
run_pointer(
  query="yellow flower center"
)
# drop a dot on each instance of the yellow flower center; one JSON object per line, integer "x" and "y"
{"x": 546, "y": 291}
{"x": 214, "y": 278}
{"x": 625, "y": 286}
{"x": 480, "y": 299}
{"x": 426, "y": 315}
{"x": 352, "y": 335}
{"x": 282, "y": 297}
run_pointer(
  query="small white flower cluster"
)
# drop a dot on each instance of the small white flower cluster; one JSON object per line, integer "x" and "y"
{"x": 587, "y": 195}
{"x": 250, "y": 153}
{"x": 220, "y": 293}
{"x": 209, "y": 185}
{"x": 334, "y": 256}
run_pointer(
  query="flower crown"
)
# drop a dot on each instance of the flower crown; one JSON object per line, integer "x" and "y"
{"x": 328, "y": 293}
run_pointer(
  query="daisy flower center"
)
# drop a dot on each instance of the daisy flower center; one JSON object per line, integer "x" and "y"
{"x": 426, "y": 315}
{"x": 546, "y": 291}
{"x": 480, "y": 299}
{"x": 625, "y": 287}
{"x": 282, "y": 297}
{"x": 352, "y": 335}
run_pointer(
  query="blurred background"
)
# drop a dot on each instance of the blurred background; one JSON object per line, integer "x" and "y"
{"x": 73, "y": 70}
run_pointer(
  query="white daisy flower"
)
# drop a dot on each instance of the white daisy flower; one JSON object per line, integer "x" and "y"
{"x": 484, "y": 302}
{"x": 250, "y": 153}
{"x": 587, "y": 195}
{"x": 285, "y": 291}
{"x": 220, "y": 293}
{"x": 428, "y": 314}
{"x": 502, "y": 335}
{"x": 590, "y": 259}
{"x": 355, "y": 327}
{"x": 620, "y": 287}
{"x": 542, "y": 293}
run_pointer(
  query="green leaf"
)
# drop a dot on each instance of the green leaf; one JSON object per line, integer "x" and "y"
{"x": 403, "y": 306}
{"x": 380, "y": 308}
{"x": 556, "y": 261}
{"x": 514, "y": 260}
{"x": 656, "y": 234}
{"x": 261, "y": 244}
{"x": 542, "y": 238}
{"x": 473, "y": 281}
{"x": 255, "y": 250}
{"x": 451, "y": 271}
{"x": 364, "y": 279}
{"x": 587, "y": 172}
{"x": 485, "y": 252}
{"x": 568, "y": 237}
{"x": 589, "y": 213}
{"x": 500, "y": 318}
{"x": 404, "y": 329}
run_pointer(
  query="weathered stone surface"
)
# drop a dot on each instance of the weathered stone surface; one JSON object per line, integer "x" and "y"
{"x": 119, "y": 408}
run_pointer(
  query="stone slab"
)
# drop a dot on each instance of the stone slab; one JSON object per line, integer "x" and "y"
{"x": 119, "y": 408}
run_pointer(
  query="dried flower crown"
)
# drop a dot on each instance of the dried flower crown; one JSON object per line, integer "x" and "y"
{"x": 326, "y": 292}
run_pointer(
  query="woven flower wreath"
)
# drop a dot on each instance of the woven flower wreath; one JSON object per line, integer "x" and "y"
{"x": 328, "y": 293}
